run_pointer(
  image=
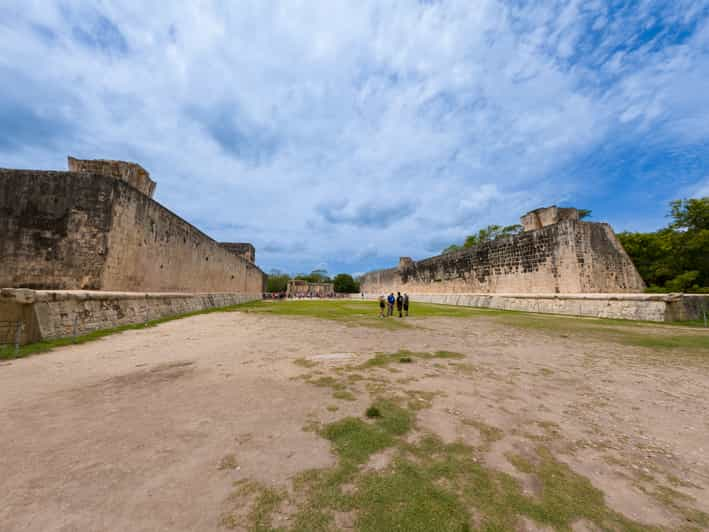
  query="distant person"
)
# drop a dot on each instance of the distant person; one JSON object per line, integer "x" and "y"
{"x": 381, "y": 306}
{"x": 406, "y": 304}
{"x": 399, "y": 303}
{"x": 390, "y": 304}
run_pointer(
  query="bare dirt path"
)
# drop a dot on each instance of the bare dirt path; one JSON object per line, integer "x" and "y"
{"x": 149, "y": 430}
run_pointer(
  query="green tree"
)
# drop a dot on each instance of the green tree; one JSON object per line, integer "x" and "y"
{"x": 345, "y": 284}
{"x": 584, "y": 213}
{"x": 486, "y": 234}
{"x": 316, "y": 276}
{"x": 277, "y": 281}
{"x": 675, "y": 258}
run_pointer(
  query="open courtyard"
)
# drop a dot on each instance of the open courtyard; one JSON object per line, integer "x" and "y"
{"x": 318, "y": 415}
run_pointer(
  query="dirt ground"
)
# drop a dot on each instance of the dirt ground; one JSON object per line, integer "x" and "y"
{"x": 150, "y": 429}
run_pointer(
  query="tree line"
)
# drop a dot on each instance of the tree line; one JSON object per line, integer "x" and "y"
{"x": 672, "y": 259}
{"x": 343, "y": 283}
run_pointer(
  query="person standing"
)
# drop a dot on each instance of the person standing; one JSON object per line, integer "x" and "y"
{"x": 406, "y": 304}
{"x": 399, "y": 303}
{"x": 390, "y": 304}
{"x": 381, "y": 306}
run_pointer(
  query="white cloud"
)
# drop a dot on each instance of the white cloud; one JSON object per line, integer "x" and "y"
{"x": 353, "y": 131}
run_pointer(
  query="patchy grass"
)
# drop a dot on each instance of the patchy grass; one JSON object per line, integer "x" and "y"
{"x": 429, "y": 485}
{"x": 344, "y": 395}
{"x": 228, "y": 462}
{"x": 406, "y": 357}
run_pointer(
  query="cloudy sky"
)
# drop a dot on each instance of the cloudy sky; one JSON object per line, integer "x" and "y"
{"x": 343, "y": 134}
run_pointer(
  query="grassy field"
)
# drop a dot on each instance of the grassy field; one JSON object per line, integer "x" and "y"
{"x": 652, "y": 335}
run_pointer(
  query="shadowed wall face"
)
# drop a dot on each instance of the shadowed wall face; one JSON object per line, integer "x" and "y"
{"x": 54, "y": 229}
{"x": 565, "y": 257}
{"x": 72, "y": 231}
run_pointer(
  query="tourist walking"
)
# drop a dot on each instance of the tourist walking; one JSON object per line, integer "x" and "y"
{"x": 406, "y": 304}
{"x": 399, "y": 303}
{"x": 390, "y": 304}
{"x": 381, "y": 306}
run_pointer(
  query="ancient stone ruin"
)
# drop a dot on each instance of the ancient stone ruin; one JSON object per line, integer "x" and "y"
{"x": 301, "y": 288}
{"x": 555, "y": 253}
{"x": 96, "y": 227}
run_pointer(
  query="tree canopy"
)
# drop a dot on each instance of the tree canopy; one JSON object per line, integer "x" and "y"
{"x": 675, "y": 258}
{"x": 491, "y": 232}
{"x": 345, "y": 284}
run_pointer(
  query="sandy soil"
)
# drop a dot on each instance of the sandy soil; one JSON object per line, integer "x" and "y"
{"x": 128, "y": 433}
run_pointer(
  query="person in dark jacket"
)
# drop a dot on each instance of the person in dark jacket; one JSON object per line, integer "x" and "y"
{"x": 381, "y": 306}
{"x": 399, "y": 303}
{"x": 406, "y": 304}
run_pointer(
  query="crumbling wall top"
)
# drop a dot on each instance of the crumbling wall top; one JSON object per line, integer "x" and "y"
{"x": 243, "y": 249}
{"x": 132, "y": 173}
{"x": 544, "y": 216}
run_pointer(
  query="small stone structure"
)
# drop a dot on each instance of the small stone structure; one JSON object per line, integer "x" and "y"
{"x": 300, "y": 288}
{"x": 243, "y": 249}
{"x": 132, "y": 173}
{"x": 539, "y": 218}
{"x": 556, "y": 253}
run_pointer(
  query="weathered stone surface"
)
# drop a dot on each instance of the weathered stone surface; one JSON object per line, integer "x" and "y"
{"x": 298, "y": 288}
{"x": 646, "y": 307}
{"x": 82, "y": 231}
{"x": 243, "y": 249}
{"x": 132, "y": 173}
{"x": 46, "y": 315}
{"x": 565, "y": 257}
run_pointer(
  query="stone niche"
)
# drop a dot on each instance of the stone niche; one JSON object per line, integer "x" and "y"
{"x": 131, "y": 173}
{"x": 545, "y": 216}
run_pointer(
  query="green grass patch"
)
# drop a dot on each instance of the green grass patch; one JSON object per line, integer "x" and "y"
{"x": 431, "y": 485}
{"x": 405, "y": 356}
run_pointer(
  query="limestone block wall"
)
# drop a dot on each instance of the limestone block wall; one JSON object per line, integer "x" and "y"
{"x": 566, "y": 257}
{"x": 53, "y": 229}
{"x": 81, "y": 231}
{"x": 151, "y": 248}
{"x": 133, "y": 174}
{"x": 243, "y": 249}
{"x": 645, "y": 307}
{"x": 46, "y": 315}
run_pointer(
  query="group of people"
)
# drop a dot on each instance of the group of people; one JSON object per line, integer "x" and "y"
{"x": 401, "y": 302}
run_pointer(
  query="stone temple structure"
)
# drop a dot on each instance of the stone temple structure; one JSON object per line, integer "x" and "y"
{"x": 96, "y": 227}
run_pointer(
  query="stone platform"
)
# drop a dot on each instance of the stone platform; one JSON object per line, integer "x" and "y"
{"x": 647, "y": 307}
{"x": 50, "y": 314}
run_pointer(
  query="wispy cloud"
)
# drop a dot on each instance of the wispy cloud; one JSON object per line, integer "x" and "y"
{"x": 350, "y": 133}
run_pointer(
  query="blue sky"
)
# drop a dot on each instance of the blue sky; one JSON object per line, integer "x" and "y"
{"x": 343, "y": 134}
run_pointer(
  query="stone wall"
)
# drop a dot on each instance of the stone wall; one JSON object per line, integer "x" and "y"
{"x": 565, "y": 257}
{"x": 646, "y": 307}
{"x": 46, "y": 315}
{"x": 300, "y": 288}
{"x": 82, "y": 231}
{"x": 243, "y": 249}
{"x": 133, "y": 174}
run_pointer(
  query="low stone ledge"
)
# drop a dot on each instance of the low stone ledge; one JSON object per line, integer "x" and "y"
{"x": 645, "y": 307}
{"x": 36, "y": 315}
